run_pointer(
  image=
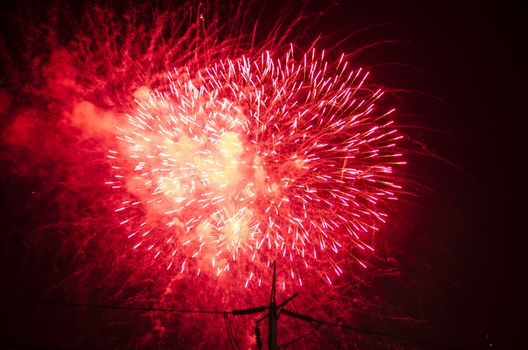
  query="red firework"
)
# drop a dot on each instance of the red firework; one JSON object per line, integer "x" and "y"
{"x": 254, "y": 159}
{"x": 238, "y": 150}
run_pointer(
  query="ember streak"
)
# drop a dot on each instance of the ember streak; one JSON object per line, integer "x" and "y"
{"x": 160, "y": 154}
{"x": 258, "y": 159}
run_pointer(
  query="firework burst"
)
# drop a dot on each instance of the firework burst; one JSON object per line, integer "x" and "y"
{"x": 223, "y": 148}
{"x": 256, "y": 159}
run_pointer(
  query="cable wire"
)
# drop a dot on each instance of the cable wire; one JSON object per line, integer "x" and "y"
{"x": 230, "y": 334}
{"x": 360, "y": 330}
{"x": 107, "y": 306}
{"x": 158, "y": 309}
{"x": 386, "y": 335}
{"x": 315, "y": 327}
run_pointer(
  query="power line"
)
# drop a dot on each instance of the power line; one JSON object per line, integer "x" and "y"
{"x": 315, "y": 327}
{"x": 234, "y": 312}
{"x": 360, "y": 330}
{"x": 387, "y": 335}
{"x": 230, "y": 334}
{"x": 137, "y": 308}
{"x": 108, "y": 306}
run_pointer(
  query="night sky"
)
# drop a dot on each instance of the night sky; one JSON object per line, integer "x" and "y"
{"x": 447, "y": 260}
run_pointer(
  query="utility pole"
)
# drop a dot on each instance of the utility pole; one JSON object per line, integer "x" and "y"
{"x": 273, "y": 312}
{"x": 272, "y": 315}
{"x": 272, "y": 328}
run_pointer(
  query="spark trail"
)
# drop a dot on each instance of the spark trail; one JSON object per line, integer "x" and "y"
{"x": 222, "y": 147}
{"x": 258, "y": 158}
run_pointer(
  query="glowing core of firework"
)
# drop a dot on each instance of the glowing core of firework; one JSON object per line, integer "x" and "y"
{"x": 255, "y": 159}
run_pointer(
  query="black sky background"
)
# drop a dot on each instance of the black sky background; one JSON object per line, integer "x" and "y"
{"x": 469, "y": 54}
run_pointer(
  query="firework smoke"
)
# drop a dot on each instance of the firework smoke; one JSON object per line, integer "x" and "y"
{"x": 179, "y": 154}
